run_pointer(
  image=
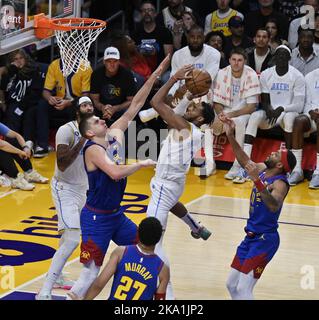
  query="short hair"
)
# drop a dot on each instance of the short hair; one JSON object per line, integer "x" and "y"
{"x": 150, "y": 231}
{"x": 148, "y": 1}
{"x": 215, "y": 33}
{"x": 84, "y": 124}
{"x": 264, "y": 30}
{"x": 195, "y": 27}
{"x": 291, "y": 159}
{"x": 238, "y": 50}
{"x": 306, "y": 29}
{"x": 208, "y": 113}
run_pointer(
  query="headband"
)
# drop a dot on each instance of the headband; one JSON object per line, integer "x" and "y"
{"x": 284, "y": 160}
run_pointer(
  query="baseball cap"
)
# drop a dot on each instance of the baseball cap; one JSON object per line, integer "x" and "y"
{"x": 84, "y": 99}
{"x": 111, "y": 53}
{"x": 282, "y": 46}
{"x": 235, "y": 22}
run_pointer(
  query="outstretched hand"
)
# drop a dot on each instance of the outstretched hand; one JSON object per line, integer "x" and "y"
{"x": 252, "y": 170}
{"x": 274, "y": 114}
{"x": 229, "y": 124}
{"x": 182, "y": 72}
{"x": 163, "y": 66}
{"x": 147, "y": 163}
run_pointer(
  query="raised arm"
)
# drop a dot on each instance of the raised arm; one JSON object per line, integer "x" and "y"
{"x": 165, "y": 111}
{"x": 140, "y": 98}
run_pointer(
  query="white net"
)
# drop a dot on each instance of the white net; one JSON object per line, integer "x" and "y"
{"x": 74, "y": 45}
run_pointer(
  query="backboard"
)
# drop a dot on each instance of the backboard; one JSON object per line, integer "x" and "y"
{"x": 16, "y": 20}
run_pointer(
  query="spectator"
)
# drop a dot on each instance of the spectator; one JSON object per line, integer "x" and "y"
{"x": 260, "y": 58}
{"x": 305, "y": 22}
{"x": 238, "y": 102}
{"x": 58, "y": 94}
{"x": 316, "y": 35}
{"x": 22, "y": 85}
{"x": 112, "y": 87}
{"x": 216, "y": 40}
{"x": 291, "y": 9}
{"x": 21, "y": 154}
{"x": 306, "y": 123}
{"x": 282, "y": 98}
{"x": 275, "y": 41}
{"x": 153, "y": 40}
{"x": 258, "y": 19}
{"x": 180, "y": 33}
{"x": 237, "y": 37}
{"x": 245, "y": 6}
{"x": 197, "y": 53}
{"x": 218, "y": 20}
{"x": 304, "y": 58}
{"x": 131, "y": 59}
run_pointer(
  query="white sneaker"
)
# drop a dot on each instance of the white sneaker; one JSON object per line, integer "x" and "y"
{"x": 232, "y": 173}
{"x": 29, "y": 144}
{"x": 20, "y": 183}
{"x": 147, "y": 115}
{"x": 62, "y": 283}
{"x": 5, "y": 180}
{"x": 43, "y": 296}
{"x": 35, "y": 176}
{"x": 40, "y": 152}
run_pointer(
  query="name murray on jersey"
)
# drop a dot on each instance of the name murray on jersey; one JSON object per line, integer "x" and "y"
{"x": 136, "y": 267}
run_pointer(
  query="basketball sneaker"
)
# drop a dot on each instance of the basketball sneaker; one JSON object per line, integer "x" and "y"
{"x": 62, "y": 283}
{"x": 40, "y": 152}
{"x": 43, "y": 296}
{"x": 241, "y": 177}
{"x": 202, "y": 232}
{"x": 295, "y": 177}
{"x": 232, "y": 173}
{"x": 314, "y": 183}
{"x": 5, "y": 180}
{"x": 35, "y": 176}
{"x": 20, "y": 183}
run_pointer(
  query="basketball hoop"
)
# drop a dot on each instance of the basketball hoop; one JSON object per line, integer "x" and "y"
{"x": 74, "y": 37}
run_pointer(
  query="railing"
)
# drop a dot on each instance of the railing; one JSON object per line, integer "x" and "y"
{"x": 108, "y": 20}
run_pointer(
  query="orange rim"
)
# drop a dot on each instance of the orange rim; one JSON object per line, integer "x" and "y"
{"x": 63, "y": 24}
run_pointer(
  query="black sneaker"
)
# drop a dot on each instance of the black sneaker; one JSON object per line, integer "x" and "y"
{"x": 202, "y": 232}
{"x": 40, "y": 152}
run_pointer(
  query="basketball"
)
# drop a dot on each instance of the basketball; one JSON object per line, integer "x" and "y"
{"x": 199, "y": 81}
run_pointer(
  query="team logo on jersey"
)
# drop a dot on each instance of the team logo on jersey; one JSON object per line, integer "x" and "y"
{"x": 85, "y": 255}
{"x": 259, "y": 270}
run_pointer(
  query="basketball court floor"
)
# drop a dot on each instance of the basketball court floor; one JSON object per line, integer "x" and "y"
{"x": 199, "y": 269}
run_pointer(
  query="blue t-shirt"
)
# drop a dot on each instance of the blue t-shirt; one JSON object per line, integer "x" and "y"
{"x": 3, "y": 130}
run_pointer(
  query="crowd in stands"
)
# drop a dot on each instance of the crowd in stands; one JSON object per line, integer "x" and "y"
{"x": 278, "y": 44}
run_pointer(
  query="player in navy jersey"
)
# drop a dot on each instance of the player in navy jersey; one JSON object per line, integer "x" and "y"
{"x": 102, "y": 217}
{"x": 262, "y": 239}
{"x": 136, "y": 268}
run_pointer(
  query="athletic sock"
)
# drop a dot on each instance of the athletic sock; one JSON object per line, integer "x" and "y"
{"x": 193, "y": 224}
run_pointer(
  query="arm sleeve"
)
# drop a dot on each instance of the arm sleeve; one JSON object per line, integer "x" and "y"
{"x": 181, "y": 106}
{"x": 296, "y": 105}
{"x": 3, "y": 129}
{"x": 298, "y": 100}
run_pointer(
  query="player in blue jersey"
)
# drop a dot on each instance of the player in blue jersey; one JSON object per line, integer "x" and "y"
{"x": 102, "y": 217}
{"x": 262, "y": 239}
{"x": 139, "y": 274}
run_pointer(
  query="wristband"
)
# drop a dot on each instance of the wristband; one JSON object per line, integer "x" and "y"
{"x": 260, "y": 186}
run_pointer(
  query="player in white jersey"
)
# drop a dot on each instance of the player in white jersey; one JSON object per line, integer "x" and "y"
{"x": 304, "y": 124}
{"x": 68, "y": 187}
{"x": 178, "y": 150}
{"x": 282, "y": 99}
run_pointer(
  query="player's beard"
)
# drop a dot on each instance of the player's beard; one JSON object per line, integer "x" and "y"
{"x": 198, "y": 48}
{"x": 82, "y": 114}
{"x": 269, "y": 163}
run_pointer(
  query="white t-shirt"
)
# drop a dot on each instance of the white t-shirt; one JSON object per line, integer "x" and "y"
{"x": 75, "y": 174}
{"x": 283, "y": 89}
{"x": 259, "y": 60}
{"x": 312, "y": 91}
{"x": 207, "y": 60}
